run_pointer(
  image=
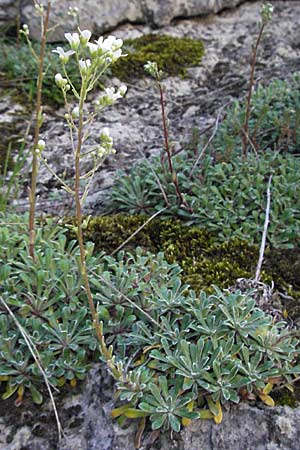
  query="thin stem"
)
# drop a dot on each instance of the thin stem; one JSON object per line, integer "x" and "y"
{"x": 264, "y": 235}
{"x": 35, "y": 161}
{"x": 208, "y": 142}
{"x": 169, "y": 149}
{"x": 156, "y": 178}
{"x": 137, "y": 231}
{"x": 251, "y": 83}
{"x": 106, "y": 352}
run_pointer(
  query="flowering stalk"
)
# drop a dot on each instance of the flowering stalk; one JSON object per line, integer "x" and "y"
{"x": 152, "y": 69}
{"x": 101, "y": 55}
{"x": 266, "y": 16}
{"x": 38, "y": 145}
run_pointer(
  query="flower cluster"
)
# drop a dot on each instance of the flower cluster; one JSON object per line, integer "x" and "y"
{"x": 266, "y": 12}
{"x": 73, "y": 11}
{"x": 151, "y": 67}
{"x": 106, "y": 146}
{"x": 110, "y": 47}
{"x": 40, "y": 147}
{"x": 93, "y": 59}
{"x": 110, "y": 96}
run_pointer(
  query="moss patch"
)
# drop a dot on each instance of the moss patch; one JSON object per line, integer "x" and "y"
{"x": 173, "y": 55}
{"x": 286, "y": 397}
{"x": 204, "y": 260}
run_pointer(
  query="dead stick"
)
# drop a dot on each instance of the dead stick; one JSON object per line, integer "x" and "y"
{"x": 264, "y": 235}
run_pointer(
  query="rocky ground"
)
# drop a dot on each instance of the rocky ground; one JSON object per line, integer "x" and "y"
{"x": 135, "y": 123}
{"x": 193, "y": 103}
{"x": 85, "y": 416}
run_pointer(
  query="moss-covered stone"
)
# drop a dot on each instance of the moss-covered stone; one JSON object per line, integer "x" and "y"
{"x": 173, "y": 55}
{"x": 204, "y": 260}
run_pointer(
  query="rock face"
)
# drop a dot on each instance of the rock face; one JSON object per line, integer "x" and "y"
{"x": 102, "y": 15}
{"x": 85, "y": 417}
{"x": 8, "y": 14}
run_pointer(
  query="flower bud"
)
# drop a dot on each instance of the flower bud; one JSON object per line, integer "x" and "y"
{"x": 105, "y": 134}
{"x": 73, "y": 11}
{"x": 93, "y": 48}
{"x": 25, "y": 29}
{"x": 75, "y": 112}
{"x": 60, "y": 81}
{"x": 85, "y": 36}
{"x": 84, "y": 65}
{"x": 122, "y": 90}
{"x": 39, "y": 8}
{"x": 266, "y": 12}
{"x": 40, "y": 146}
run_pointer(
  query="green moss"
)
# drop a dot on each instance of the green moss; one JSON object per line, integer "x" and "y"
{"x": 204, "y": 260}
{"x": 173, "y": 55}
{"x": 285, "y": 397}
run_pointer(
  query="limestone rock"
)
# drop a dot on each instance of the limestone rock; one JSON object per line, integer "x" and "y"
{"x": 101, "y": 16}
{"x": 8, "y": 14}
{"x": 85, "y": 416}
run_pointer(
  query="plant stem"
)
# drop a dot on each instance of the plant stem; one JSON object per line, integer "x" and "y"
{"x": 106, "y": 352}
{"x": 35, "y": 160}
{"x": 169, "y": 149}
{"x": 251, "y": 83}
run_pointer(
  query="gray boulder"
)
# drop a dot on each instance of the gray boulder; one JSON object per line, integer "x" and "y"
{"x": 87, "y": 424}
{"x": 101, "y": 15}
{"x": 8, "y": 14}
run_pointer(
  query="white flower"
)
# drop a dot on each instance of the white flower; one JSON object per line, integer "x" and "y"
{"x": 116, "y": 54}
{"x": 40, "y": 146}
{"x": 110, "y": 96}
{"x": 112, "y": 43}
{"x": 85, "y": 36}
{"x": 75, "y": 112}
{"x": 111, "y": 46}
{"x": 72, "y": 11}
{"x": 73, "y": 39}
{"x": 105, "y": 134}
{"x": 84, "y": 65}
{"x": 63, "y": 56}
{"x": 122, "y": 90}
{"x": 39, "y": 8}
{"x": 25, "y": 29}
{"x": 93, "y": 48}
{"x": 60, "y": 81}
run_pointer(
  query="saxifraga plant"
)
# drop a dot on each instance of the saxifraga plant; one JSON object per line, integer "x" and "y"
{"x": 183, "y": 355}
{"x": 266, "y": 16}
{"x": 196, "y": 353}
{"x": 46, "y": 297}
{"x": 93, "y": 60}
{"x": 227, "y": 197}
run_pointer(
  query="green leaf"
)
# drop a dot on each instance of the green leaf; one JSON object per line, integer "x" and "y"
{"x": 36, "y": 395}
